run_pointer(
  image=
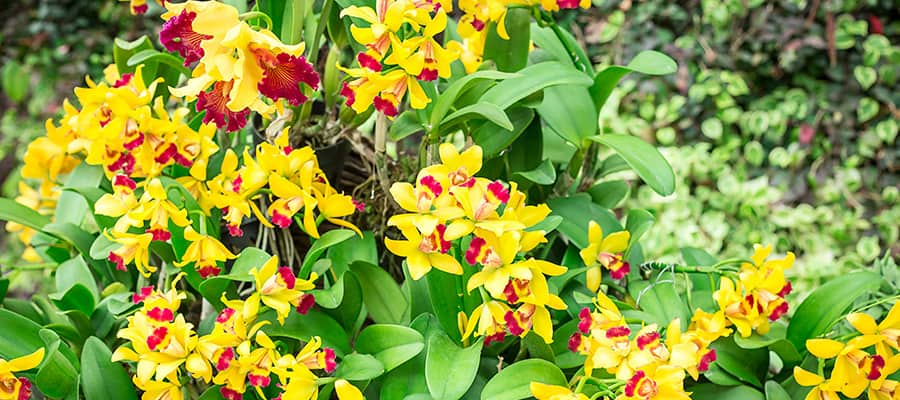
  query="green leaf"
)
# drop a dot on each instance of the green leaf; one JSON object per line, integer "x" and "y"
{"x": 77, "y": 297}
{"x": 392, "y": 345}
{"x": 75, "y": 271}
{"x": 71, "y": 234}
{"x": 14, "y": 81}
{"x": 449, "y": 369}
{"x": 646, "y": 62}
{"x": 712, "y": 128}
{"x": 567, "y": 109}
{"x": 609, "y": 194}
{"x": 514, "y": 381}
{"x": 404, "y": 125}
{"x": 661, "y": 300}
{"x": 101, "y": 378}
{"x": 330, "y": 297}
{"x": 354, "y": 249}
{"x": 251, "y": 257}
{"x": 644, "y": 159}
{"x": 123, "y": 50}
{"x": 72, "y": 206}
{"x": 442, "y": 293}
{"x": 708, "y": 391}
{"x": 57, "y": 376}
{"x": 697, "y": 257}
{"x": 576, "y": 211}
{"x": 18, "y": 213}
{"x": 487, "y": 110}
{"x": 359, "y": 367}
{"x": 304, "y": 327}
{"x": 533, "y": 79}
{"x": 4, "y": 286}
{"x": 544, "y": 174}
{"x": 381, "y": 294}
{"x": 774, "y": 391}
{"x": 446, "y": 100}
{"x": 292, "y": 20}
{"x": 510, "y": 54}
{"x": 154, "y": 56}
{"x": 748, "y": 365}
{"x": 866, "y": 76}
{"x": 327, "y": 240}
{"x": 637, "y": 224}
{"x": 826, "y": 305}
{"x": 868, "y": 108}
{"x": 493, "y": 139}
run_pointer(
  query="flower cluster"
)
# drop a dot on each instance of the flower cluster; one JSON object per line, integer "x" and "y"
{"x": 648, "y": 366}
{"x": 758, "y": 296}
{"x": 478, "y": 14}
{"x": 401, "y": 50}
{"x": 856, "y": 367}
{"x": 18, "y": 388}
{"x": 604, "y": 252}
{"x": 238, "y": 68}
{"x": 454, "y": 215}
{"x": 236, "y": 355}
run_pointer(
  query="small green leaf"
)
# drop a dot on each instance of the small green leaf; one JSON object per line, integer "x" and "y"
{"x": 644, "y": 159}
{"x": 101, "y": 378}
{"x": 826, "y": 305}
{"x": 514, "y": 381}
{"x": 381, "y": 294}
{"x": 609, "y": 194}
{"x": 712, "y": 128}
{"x": 866, "y": 76}
{"x": 56, "y": 376}
{"x": 153, "y": 55}
{"x": 76, "y": 297}
{"x": 123, "y": 50}
{"x": 646, "y": 62}
{"x": 748, "y": 365}
{"x": 449, "y": 369}
{"x": 576, "y": 211}
{"x": 868, "y": 108}
{"x": 392, "y": 345}
{"x": 359, "y": 367}
{"x": 487, "y": 110}
{"x": 544, "y": 174}
{"x": 697, "y": 257}
{"x": 354, "y": 249}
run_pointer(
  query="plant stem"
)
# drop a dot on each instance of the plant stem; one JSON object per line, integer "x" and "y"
{"x": 257, "y": 14}
{"x": 380, "y": 155}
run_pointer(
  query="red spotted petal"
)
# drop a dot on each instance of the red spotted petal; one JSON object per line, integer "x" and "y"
{"x": 178, "y": 34}
{"x": 282, "y": 75}
{"x": 214, "y": 102}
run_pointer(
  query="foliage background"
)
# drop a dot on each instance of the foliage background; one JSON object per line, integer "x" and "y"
{"x": 781, "y": 122}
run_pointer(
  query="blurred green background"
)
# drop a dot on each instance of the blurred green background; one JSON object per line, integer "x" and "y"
{"x": 781, "y": 122}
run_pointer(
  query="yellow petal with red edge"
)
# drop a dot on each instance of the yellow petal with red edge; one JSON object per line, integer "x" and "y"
{"x": 863, "y": 323}
{"x": 824, "y": 348}
{"x": 346, "y": 391}
{"x": 806, "y": 378}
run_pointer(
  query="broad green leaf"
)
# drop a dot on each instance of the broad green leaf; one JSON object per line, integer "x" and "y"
{"x": 292, "y": 19}
{"x": 748, "y": 365}
{"x": 698, "y": 257}
{"x": 442, "y": 291}
{"x": 304, "y": 327}
{"x": 123, "y": 50}
{"x": 327, "y": 240}
{"x": 576, "y": 211}
{"x": 448, "y": 97}
{"x": 493, "y": 138}
{"x": 56, "y": 376}
{"x": 510, "y": 54}
{"x": 75, "y": 271}
{"x": 826, "y": 305}
{"x": 660, "y": 299}
{"x": 392, "y": 345}
{"x": 404, "y": 125}
{"x": 71, "y": 206}
{"x": 101, "y": 378}
{"x": 637, "y": 224}
{"x": 646, "y": 62}
{"x": 487, "y": 110}
{"x": 18, "y": 213}
{"x": 534, "y": 78}
{"x": 567, "y": 109}
{"x": 354, "y": 249}
{"x": 609, "y": 193}
{"x": 449, "y": 369}
{"x": 76, "y": 297}
{"x": 644, "y": 159}
{"x": 537, "y": 347}
{"x": 544, "y": 38}
{"x": 14, "y": 81}
{"x": 381, "y": 294}
{"x": 514, "y": 381}
{"x": 213, "y": 393}
{"x": 774, "y": 391}
{"x": 544, "y": 174}
{"x": 330, "y": 297}
{"x": 359, "y": 367}
{"x": 709, "y": 391}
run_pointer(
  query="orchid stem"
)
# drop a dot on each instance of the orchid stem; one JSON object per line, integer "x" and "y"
{"x": 380, "y": 154}
{"x": 257, "y": 14}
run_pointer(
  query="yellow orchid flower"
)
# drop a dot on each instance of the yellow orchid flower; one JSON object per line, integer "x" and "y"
{"x": 542, "y": 391}
{"x": 604, "y": 252}
{"x": 427, "y": 244}
{"x": 160, "y": 390}
{"x": 196, "y": 28}
{"x": 422, "y": 56}
{"x": 134, "y": 247}
{"x": 460, "y": 167}
{"x": 824, "y": 389}
{"x": 47, "y": 157}
{"x": 886, "y": 334}
{"x": 384, "y": 21}
{"x": 12, "y": 387}
{"x": 664, "y": 382}
{"x": 205, "y": 252}
{"x": 278, "y": 287}
{"x": 158, "y": 348}
{"x": 689, "y": 351}
{"x": 155, "y": 206}
{"x": 853, "y": 367}
{"x": 121, "y": 201}
{"x": 488, "y": 320}
{"x": 883, "y": 388}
